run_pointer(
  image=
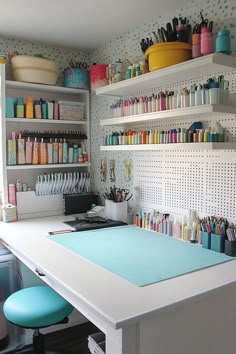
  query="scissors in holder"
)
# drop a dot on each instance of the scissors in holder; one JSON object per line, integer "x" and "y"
{"x": 206, "y": 23}
{"x": 197, "y": 28}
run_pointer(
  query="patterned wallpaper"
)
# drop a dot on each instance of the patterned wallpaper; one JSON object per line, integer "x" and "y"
{"x": 126, "y": 46}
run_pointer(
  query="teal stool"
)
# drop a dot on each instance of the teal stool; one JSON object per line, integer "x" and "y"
{"x": 36, "y": 308}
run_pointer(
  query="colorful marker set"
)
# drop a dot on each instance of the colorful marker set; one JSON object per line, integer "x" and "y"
{"x": 214, "y": 225}
{"x": 215, "y": 91}
{"x": 154, "y": 221}
{"x": 179, "y": 135}
{"x": 162, "y": 223}
{"x": 231, "y": 233}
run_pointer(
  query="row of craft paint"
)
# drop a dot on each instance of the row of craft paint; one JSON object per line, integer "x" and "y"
{"x": 164, "y": 223}
{"x": 214, "y": 92}
{"x": 180, "y": 135}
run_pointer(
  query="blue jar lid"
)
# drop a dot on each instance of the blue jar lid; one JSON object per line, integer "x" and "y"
{"x": 224, "y": 32}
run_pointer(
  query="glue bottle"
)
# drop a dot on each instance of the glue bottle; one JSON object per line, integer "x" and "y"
{"x": 183, "y": 226}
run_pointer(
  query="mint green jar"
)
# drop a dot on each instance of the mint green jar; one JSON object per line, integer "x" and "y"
{"x": 223, "y": 44}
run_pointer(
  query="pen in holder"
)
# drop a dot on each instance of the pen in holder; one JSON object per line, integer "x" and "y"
{"x": 116, "y": 211}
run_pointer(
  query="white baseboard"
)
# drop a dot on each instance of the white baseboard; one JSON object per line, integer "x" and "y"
{"x": 75, "y": 319}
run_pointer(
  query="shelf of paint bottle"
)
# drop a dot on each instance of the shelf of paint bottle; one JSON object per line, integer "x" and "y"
{"x": 188, "y": 112}
{"x": 48, "y": 166}
{"x": 45, "y": 121}
{"x": 171, "y": 146}
{"x": 204, "y": 66}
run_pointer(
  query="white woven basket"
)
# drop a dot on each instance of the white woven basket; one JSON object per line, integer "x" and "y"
{"x": 34, "y": 69}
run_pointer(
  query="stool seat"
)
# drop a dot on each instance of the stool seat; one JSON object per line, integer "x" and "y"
{"x": 36, "y": 307}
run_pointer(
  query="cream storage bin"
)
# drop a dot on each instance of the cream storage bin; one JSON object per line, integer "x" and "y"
{"x": 34, "y": 69}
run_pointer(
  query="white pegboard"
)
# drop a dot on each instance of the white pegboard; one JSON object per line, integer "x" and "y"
{"x": 180, "y": 180}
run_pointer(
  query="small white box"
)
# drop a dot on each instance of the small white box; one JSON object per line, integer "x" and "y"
{"x": 30, "y": 205}
{"x": 116, "y": 211}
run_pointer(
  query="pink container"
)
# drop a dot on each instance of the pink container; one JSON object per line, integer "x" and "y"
{"x": 98, "y": 76}
{"x": 206, "y": 42}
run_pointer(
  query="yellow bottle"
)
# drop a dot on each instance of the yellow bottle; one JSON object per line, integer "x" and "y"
{"x": 29, "y": 112}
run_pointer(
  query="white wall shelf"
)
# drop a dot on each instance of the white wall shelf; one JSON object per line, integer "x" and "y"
{"x": 43, "y": 88}
{"x": 33, "y": 167}
{"x": 44, "y": 121}
{"x": 10, "y": 174}
{"x": 201, "y": 111}
{"x": 179, "y": 146}
{"x": 204, "y": 66}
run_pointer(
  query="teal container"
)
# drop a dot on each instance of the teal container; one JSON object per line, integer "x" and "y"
{"x": 76, "y": 78}
{"x": 217, "y": 243}
{"x": 223, "y": 43}
{"x": 10, "y": 107}
{"x": 206, "y": 239}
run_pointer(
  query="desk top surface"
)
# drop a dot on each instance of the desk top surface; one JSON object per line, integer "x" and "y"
{"x": 113, "y": 299}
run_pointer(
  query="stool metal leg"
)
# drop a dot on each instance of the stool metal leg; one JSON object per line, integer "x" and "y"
{"x": 38, "y": 342}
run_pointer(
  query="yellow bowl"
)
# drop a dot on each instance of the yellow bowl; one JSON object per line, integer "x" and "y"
{"x": 161, "y": 55}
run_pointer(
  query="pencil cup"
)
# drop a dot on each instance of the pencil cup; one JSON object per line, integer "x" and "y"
{"x": 230, "y": 248}
{"x": 206, "y": 239}
{"x": 116, "y": 211}
{"x": 217, "y": 243}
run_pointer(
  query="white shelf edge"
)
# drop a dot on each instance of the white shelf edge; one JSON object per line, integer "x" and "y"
{"x": 44, "y": 121}
{"x": 174, "y": 113}
{"x": 188, "y": 67}
{"x": 44, "y": 88}
{"x": 180, "y": 146}
{"x": 32, "y": 167}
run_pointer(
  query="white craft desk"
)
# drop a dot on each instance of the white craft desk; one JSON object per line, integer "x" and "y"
{"x": 190, "y": 314}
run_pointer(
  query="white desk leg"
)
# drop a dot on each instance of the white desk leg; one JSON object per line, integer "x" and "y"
{"x": 123, "y": 341}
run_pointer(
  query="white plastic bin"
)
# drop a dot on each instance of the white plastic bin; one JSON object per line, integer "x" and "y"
{"x": 46, "y": 205}
{"x": 96, "y": 343}
{"x": 116, "y": 211}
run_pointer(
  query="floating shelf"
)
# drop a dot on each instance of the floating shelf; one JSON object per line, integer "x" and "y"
{"x": 204, "y": 66}
{"x": 43, "y": 88}
{"x": 180, "y": 146}
{"x": 202, "y": 111}
{"x": 32, "y": 167}
{"x": 44, "y": 121}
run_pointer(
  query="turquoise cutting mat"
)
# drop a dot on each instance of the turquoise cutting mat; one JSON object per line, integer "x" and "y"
{"x": 139, "y": 256}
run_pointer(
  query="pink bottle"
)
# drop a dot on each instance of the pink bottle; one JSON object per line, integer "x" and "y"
{"x": 206, "y": 42}
{"x": 12, "y": 194}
